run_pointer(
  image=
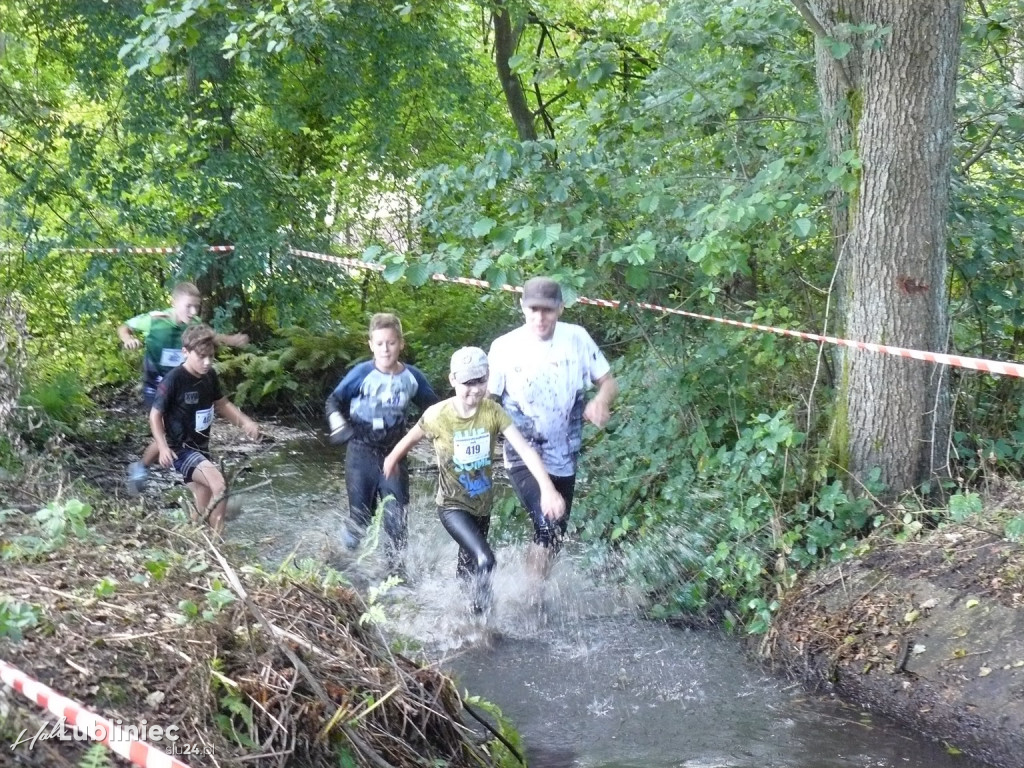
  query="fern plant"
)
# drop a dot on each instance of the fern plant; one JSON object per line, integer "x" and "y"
{"x": 97, "y": 756}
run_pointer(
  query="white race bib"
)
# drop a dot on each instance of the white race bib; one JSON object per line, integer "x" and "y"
{"x": 470, "y": 449}
{"x": 169, "y": 358}
{"x": 204, "y": 419}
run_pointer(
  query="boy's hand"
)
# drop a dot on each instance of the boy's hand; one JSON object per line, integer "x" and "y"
{"x": 132, "y": 343}
{"x": 552, "y": 504}
{"x": 251, "y": 429}
{"x": 167, "y": 457}
{"x": 390, "y": 462}
{"x": 341, "y": 430}
{"x": 235, "y": 339}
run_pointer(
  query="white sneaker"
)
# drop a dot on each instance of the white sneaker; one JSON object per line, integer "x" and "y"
{"x": 136, "y": 479}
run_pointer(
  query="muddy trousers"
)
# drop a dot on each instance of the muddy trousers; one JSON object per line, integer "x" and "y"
{"x": 547, "y": 533}
{"x": 476, "y": 558}
{"x": 367, "y": 487}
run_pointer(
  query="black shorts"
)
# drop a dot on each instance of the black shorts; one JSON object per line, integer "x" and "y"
{"x": 547, "y": 533}
{"x": 148, "y": 396}
{"x": 187, "y": 461}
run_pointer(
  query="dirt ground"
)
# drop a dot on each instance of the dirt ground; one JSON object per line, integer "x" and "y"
{"x": 146, "y": 616}
{"x": 929, "y": 632}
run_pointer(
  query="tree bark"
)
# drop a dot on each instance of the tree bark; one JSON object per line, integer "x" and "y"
{"x": 506, "y": 40}
{"x": 891, "y": 97}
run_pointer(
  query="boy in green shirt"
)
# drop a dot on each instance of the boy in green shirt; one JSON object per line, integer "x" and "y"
{"x": 160, "y": 333}
{"x": 464, "y": 430}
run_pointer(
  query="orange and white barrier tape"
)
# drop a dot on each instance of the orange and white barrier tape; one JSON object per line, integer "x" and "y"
{"x": 98, "y": 728}
{"x": 160, "y": 250}
{"x": 974, "y": 363}
{"x": 994, "y": 367}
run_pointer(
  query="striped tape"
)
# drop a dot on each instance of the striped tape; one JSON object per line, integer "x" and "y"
{"x": 161, "y": 250}
{"x": 99, "y": 728}
{"x": 994, "y": 367}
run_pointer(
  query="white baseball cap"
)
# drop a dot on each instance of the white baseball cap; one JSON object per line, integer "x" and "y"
{"x": 469, "y": 363}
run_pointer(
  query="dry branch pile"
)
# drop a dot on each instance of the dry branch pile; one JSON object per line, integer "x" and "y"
{"x": 143, "y": 621}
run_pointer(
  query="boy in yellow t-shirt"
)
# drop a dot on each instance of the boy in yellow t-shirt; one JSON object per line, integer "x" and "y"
{"x": 464, "y": 430}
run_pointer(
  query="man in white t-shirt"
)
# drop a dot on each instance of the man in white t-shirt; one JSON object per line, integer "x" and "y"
{"x": 540, "y": 373}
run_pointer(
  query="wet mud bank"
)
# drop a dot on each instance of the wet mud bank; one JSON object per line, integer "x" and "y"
{"x": 929, "y": 633}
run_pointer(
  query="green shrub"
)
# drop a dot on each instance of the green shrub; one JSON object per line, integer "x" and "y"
{"x": 711, "y": 513}
{"x": 58, "y": 403}
{"x": 298, "y": 369}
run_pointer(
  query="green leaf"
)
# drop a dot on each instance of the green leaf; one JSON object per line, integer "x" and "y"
{"x": 524, "y": 233}
{"x": 838, "y": 48}
{"x": 547, "y": 236}
{"x": 803, "y": 227}
{"x": 483, "y": 226}
{"x": 418, "y": 274}
{"x": 637, "y": 277}
{"x": 394, "y": 272}
{"x": 496, "y": 276}
{"x": 502, "y": 237}
{"x": 697, "y": 252}
{"x": 650, "y": 203}
{"x": 480, "y": 266}
{"x": 504, "y": 162}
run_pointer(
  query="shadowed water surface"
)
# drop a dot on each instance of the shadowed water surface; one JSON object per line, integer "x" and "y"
{"x": 585, "y": 681}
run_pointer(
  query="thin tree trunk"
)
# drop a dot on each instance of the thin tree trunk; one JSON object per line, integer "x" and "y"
{"x": 506, "y": 40}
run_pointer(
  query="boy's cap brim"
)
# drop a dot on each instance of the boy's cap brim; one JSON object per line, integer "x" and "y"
{"x": 469, "y": 363}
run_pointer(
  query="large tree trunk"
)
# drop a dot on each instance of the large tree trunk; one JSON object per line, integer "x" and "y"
{"x": 896, "y": 90}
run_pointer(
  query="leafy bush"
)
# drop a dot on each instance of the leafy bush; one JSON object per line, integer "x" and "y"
{"x": 299, "y": 368}
{"x": 709, "y": 514}
{"x": 15, "y": 617}
{"x": 53, "y": 522}
{"x": 61, "y": 397}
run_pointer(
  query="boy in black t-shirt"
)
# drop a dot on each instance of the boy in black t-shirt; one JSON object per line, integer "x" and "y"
{"x": 186, "y": 400}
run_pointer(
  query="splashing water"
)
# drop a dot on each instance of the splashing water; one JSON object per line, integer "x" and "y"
{"x": 584, "y": 679}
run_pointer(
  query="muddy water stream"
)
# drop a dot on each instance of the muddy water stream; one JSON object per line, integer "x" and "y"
{"x": 585, "y": 681}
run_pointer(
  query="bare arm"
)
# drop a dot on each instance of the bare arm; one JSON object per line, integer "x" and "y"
{"x": 156, "y": 426}
{"x": 551, "y": 502}
{"x": 128, "y": 337}
{"x": 229, "y": 412}
{"x": 599, "y": 409}
{"x": 231, "y": 339}
{"x": 401, "y": 450}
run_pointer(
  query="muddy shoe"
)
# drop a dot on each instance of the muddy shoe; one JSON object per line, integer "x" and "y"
{"x": 135, "y": 481}
{"x": 482, "y": 599}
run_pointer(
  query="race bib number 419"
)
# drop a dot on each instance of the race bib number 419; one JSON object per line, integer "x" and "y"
{"x": 471, "y": 449}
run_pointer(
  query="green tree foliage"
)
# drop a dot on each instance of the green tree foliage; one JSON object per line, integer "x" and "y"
{"x": 192, "y": 123}
{"x": 708, "y": 498}
{"x": 987, "y": 283}
{"x": 697, "y": 180}
{"x": 681, "y": 159}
